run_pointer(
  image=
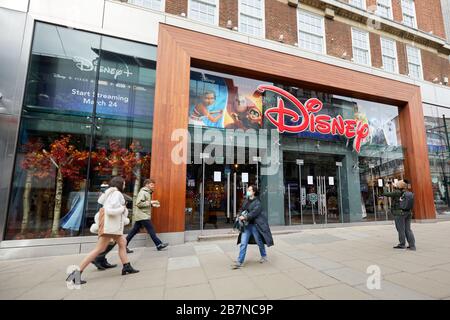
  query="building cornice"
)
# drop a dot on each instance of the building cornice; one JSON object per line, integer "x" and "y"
{"x": 376, "y": 22}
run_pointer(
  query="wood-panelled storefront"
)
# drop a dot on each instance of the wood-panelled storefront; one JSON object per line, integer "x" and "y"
{"x": 179, "y": 48}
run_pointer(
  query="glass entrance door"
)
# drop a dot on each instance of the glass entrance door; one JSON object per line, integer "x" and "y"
{"x": 312, "y": 188}
{"x": 215, "y": 192}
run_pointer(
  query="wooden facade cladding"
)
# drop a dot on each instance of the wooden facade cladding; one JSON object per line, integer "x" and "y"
{"x": 179, "y": 48}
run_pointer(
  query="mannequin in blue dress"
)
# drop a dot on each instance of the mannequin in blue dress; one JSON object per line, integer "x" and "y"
{"x": 72, "y": 220}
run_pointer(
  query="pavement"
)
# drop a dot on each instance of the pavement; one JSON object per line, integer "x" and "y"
{"x": 312, "y": 264}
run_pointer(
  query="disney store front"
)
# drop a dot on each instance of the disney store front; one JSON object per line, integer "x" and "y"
{"x": 308, "y": 177}
{"x": 205, "y": 119}
{"x": 320, "y": 142}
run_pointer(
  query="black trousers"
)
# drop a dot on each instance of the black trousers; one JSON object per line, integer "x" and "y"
{"x": 147, "y": 224}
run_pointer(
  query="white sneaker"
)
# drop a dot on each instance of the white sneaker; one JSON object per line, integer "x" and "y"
{"x": 237, "y": 265}
{"x": 263, "y": 260}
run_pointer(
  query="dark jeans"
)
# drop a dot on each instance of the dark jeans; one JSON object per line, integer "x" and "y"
{"x": 250, "y": 230}
{"x": 147, "y": 224}
{"x": 403, "y": 225}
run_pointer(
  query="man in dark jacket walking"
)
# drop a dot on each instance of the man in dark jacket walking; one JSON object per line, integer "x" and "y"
{"x": 256, "y": 229}
{"x": 402, "y": 217}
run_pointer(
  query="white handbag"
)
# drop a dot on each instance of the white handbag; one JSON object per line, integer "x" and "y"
{"x": 94, "y": 226}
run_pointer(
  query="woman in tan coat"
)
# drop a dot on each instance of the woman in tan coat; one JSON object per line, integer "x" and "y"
{"x": 109, "y": 224}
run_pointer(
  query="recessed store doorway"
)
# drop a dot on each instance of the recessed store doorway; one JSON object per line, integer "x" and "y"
{"x": 312, "y": 185}
{"x": 215, "y": 190}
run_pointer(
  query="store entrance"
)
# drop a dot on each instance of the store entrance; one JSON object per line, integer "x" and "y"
{"x": 312, "y": 188}
{"x": 216, "y": 205}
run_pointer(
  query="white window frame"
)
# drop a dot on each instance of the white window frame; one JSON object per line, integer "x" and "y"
{"x": 419, "y": 54}
{"x": 368, "y": 47}
{"x": 364, "y": 5}
{"x": 415, "y": 14}
{"x": 263, "y": 19}
{"x": 216, "y": 13}
{"x": 324, "y": 43}
{"x": 391, "y": 13}
{"x": 395, "y": 53}
{"x": 162, "y": 9}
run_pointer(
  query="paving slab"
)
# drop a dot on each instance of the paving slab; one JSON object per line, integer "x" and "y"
{"x": 235, "y": 288}
{"x": 341, "y": 292}
{"x": 424, "y": 286}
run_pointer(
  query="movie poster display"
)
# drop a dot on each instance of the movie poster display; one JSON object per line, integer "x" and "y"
{"x": 68, "y": 85}
{"x": 229, "y": 102}
{"x": 219, "y": 102}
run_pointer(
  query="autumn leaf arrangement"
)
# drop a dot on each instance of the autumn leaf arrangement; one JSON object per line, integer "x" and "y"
{"x": 63, "y": 163}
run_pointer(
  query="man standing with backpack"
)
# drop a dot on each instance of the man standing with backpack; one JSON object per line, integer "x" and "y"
{"x": 402, "y": 204}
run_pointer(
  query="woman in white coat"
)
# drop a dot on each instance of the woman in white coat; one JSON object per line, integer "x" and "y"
{"x": 109, "y": 224}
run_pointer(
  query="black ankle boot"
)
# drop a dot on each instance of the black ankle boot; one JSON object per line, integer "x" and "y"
{"x": 99, "y": 265}
{"x": 76, "y": 279}
{"x": 100, "y": 261}
{"x": 127, "y": 268}
{"x": 108, "y": 265}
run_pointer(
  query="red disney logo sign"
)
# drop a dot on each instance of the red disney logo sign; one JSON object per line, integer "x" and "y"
{"x": 350, "y": 128}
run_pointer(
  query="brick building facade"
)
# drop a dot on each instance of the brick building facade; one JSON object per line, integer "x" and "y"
{"x": 281, "y": 24}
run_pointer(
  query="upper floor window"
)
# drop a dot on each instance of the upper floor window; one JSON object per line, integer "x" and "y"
{"x": 204, "y": 11}
{"x": 310, "y": 31}
{"x": 384, "y": 8}
{"x": 360, "y": 46}
{"x": 414, "y": 62}
{"x": 358, "y": 3}
{"x": 389, "y": 54}
{"x": 151, "y": 4}
{"x": 251, "y": 17}
{"x": 409, "y": 13}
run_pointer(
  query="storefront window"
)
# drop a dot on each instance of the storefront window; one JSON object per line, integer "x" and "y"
{"x": 326, "y": 179}
{"x": 220, "y": 105}
{"x": 323, "y": 175}
{"x": 87, "y": 116}
{"x": 437, "y": 129}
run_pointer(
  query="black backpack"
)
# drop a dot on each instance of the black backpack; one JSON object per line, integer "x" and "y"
{"x": 407, "y": 201}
